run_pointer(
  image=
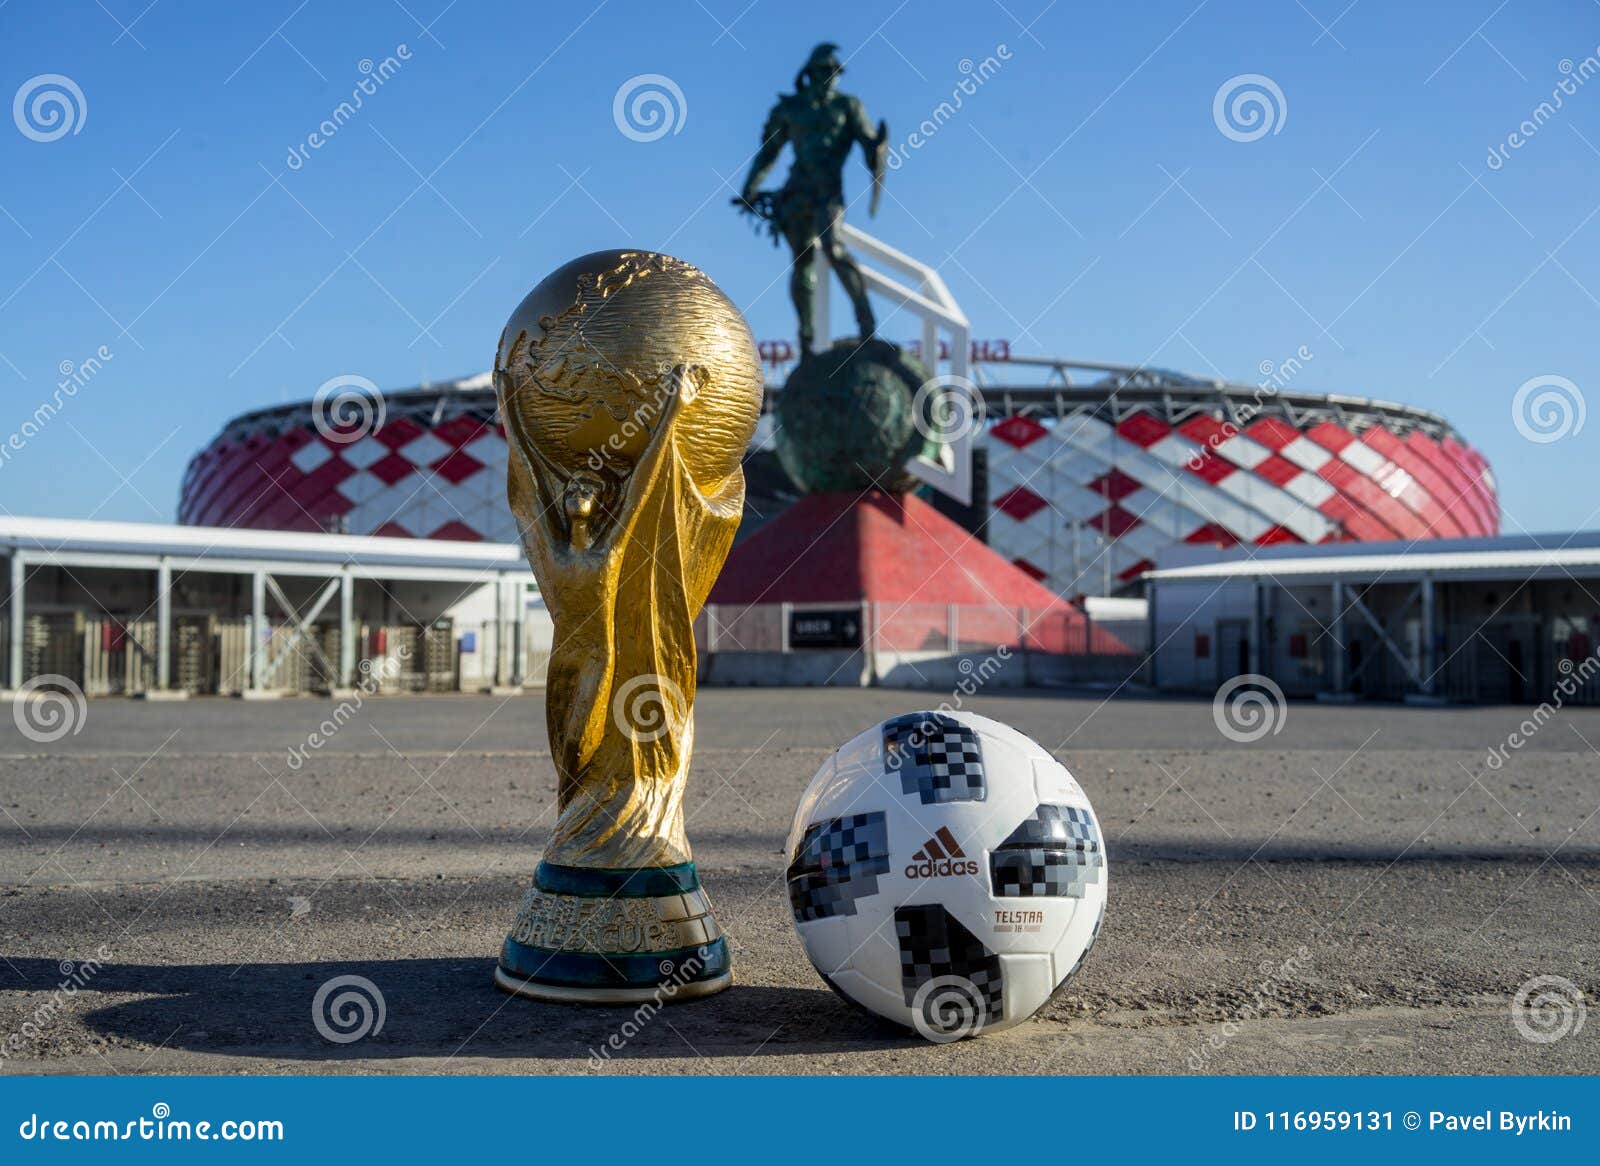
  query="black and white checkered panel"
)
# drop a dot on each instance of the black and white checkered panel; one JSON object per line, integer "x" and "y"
{"x": 933, "y": 945}
{"x": 837, "y": 862}
{"x": 937, "y": 757}
{"x": 1055, "y": 851}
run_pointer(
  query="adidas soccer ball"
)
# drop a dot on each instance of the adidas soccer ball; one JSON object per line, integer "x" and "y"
{"x": 946, "y": 873}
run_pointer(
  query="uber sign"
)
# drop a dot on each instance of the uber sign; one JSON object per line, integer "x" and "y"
{"x": 825, "y": 629}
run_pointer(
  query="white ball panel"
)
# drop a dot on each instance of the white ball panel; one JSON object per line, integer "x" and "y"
{"x": 866, "y": 991}
{"x": 827, "y": 943}
{"x": 1029, "y": 982}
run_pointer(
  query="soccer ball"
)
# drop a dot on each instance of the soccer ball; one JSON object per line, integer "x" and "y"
{"x": 946, "y": 873}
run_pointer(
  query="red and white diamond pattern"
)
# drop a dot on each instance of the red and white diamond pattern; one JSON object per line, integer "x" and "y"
{"x": 403, "y": 480}
{"x": 1124, "y": 491}
{"x": 1145, "y": 484}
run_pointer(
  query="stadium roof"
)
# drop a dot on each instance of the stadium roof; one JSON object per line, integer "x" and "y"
{"x": 1066, "y": 384}
{"x": 1522, "y": 557}
{"x": 75, "y": 542}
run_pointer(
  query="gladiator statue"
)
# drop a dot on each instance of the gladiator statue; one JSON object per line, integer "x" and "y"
{"x": 822, "y": 124}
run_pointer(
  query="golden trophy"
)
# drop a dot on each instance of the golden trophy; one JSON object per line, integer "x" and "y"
{"x": 629, "y": 387}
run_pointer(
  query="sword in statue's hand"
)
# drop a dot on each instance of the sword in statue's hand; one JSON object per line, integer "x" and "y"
{"x": 880, "y": 164}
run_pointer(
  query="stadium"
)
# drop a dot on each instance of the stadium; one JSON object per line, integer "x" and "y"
{"x": 1081, "y": 478}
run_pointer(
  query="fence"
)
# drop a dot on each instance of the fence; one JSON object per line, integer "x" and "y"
{"x": 106, "y": 654}
{"x": 913, "y": 644}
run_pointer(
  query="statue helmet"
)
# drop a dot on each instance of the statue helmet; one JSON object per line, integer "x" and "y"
{"x": 824, "y": 56}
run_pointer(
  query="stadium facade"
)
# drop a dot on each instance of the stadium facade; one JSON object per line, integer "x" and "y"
{"x": 1079, "y": 481}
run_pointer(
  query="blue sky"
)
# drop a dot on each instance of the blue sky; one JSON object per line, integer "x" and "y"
{"x": 1083, "y": 202}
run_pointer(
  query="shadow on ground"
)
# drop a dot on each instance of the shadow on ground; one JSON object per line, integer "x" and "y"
{"x": 443, "y": 1007}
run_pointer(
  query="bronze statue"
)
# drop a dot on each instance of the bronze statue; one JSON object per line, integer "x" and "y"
{"x": 821, "y": 124}
{"x": 629, "y": 387}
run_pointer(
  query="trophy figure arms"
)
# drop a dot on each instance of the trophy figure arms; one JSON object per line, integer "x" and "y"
{"x": 577, "y": 561}
{"x": 582, "y": 535}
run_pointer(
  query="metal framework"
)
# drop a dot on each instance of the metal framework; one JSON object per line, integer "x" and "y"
{"x": 1404, "y": 602}
{"x": 263, "y": 557}
{"x": 930, "y": 300}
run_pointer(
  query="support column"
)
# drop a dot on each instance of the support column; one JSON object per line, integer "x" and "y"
{"x": 347, "y": 631}
{"x": 1257, "y": 625}
{"x": 1429, "y": 680}
{"x": 869, "y": 643}
{"x": 258, "y": 628}
{"x": 507, "y": 673}
{"x": 1152, "y": 607}
{"x": 19, "y": 623}
{"x": 164, "y": 625}
{"x": 498, "y": 679}
{"x": 517, "y": 612}
{"x": 1341, "y": 654}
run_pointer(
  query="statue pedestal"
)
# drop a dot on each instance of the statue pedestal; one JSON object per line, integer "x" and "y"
{"x": 924, "y": 587}
{"x": 848, "y": 417}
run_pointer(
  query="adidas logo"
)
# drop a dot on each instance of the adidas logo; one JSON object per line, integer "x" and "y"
{"x": 939, "y": 857}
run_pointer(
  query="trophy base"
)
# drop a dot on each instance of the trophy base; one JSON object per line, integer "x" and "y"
{"x": 561, "y": 994}
{"x": 607, "y": 936}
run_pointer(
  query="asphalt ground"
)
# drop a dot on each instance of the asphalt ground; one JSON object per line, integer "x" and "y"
{"x": 1391, "y": 888}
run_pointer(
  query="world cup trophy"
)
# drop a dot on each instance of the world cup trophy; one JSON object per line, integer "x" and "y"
{"x": 629, "y": 387}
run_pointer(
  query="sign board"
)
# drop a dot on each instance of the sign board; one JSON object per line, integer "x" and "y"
{"x": 825, "y": 629}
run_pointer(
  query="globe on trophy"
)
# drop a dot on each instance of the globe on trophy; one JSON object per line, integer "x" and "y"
{"x": 630, "y": 387}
